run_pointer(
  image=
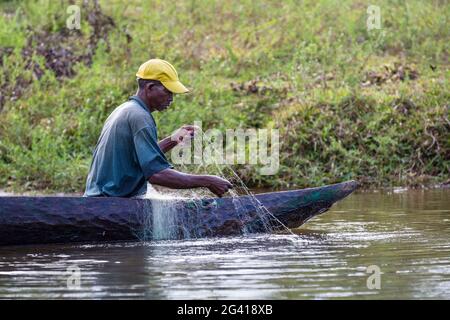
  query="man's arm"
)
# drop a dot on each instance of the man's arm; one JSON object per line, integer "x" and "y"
{"x": 167, "y": 144}
{"x": 178, "y": 180}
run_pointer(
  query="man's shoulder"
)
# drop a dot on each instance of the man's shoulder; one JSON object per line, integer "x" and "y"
{"x": 135, "y": 115}
{"x": 130, "y": 110}
{"x": 131, "y": 107}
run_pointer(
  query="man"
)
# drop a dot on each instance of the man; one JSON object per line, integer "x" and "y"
{"x": 128, "y": 154}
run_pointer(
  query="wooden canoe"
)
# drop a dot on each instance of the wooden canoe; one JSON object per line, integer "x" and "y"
{"x": 36, "y": 220}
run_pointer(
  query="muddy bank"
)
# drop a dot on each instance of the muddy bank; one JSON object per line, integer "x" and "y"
{"x": 60, "y": 51}
{"x": 4, "y": 193}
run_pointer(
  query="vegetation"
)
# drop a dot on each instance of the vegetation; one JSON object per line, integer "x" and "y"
{"x": 350, "y": 103}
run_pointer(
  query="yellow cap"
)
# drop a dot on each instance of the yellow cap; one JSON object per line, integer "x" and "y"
{"x": 164, "y": 72}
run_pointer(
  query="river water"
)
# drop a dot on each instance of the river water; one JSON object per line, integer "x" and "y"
{"x": 402, "y": 234}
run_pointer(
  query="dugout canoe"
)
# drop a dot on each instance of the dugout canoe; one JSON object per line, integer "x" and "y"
{"x": 43, "y": 219}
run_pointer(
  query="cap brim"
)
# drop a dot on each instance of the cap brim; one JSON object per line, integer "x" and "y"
{"x": 175, "y": 86}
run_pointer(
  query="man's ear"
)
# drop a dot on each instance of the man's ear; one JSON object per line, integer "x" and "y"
{"x": 149, "y": 86}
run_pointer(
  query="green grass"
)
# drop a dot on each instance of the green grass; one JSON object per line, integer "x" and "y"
{"x": 331, "y": 87}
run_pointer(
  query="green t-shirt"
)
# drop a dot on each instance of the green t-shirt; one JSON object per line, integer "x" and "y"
{"x": 127, "y": 153}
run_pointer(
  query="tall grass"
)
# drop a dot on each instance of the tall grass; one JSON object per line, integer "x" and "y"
{"x": 333, "y": 88}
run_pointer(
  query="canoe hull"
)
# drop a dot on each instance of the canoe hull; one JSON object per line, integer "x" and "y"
{"x": 34, "y": 220}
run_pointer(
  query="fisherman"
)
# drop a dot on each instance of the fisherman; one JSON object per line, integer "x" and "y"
{"x": 128, "y": 153}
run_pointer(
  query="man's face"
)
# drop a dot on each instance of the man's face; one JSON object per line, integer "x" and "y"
{"x": 159, "y": 97}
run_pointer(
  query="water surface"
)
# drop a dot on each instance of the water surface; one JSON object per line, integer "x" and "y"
{"x": 404, "y": 233}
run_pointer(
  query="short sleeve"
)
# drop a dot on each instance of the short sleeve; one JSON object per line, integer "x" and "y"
{"x": 150, "y": 157}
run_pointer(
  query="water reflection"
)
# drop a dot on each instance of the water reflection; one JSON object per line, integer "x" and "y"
{"x": 404, "y": 233}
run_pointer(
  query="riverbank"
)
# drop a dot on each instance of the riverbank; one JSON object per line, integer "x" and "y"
{"x": 349, "y": 103}
{"x": 395, "y": 190}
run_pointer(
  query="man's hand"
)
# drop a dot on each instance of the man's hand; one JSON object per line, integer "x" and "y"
{"x": 185, "y": 133}
{"x": 217, "y": 185}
